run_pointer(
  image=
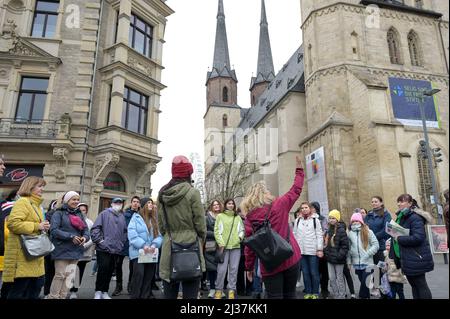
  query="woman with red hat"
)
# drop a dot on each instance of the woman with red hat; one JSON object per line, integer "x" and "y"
{"x": 181, "y": 220}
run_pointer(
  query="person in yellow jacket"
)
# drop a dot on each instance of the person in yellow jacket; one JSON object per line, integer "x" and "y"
{"x": 26, "y": 218}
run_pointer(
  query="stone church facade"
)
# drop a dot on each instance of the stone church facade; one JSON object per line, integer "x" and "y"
{"x": 80, "y": 84}
{"x": 336, "y": 92}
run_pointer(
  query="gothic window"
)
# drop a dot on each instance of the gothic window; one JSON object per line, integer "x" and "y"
{"x": 355, "y": 45}
{"x": 225, "y": 94}
{"x": 394, "y": 46}
{"x": 225, "y": 120}
{"x": 140, "y": 36}
{"x": 114, "y": 182}
{"x": 310, "y": 61}
{"x": 45, "y": 18}
{"x": 32, "y": 98}
{"x": 414, "y": 49}
{"x": 425, "y": 189}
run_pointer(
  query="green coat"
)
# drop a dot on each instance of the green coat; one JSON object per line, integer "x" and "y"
{"x": 222, "y": 230}
{"x": 187, "y": 222}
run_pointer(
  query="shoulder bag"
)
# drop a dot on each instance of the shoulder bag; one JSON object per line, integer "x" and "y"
{"x": 220, "y": 254}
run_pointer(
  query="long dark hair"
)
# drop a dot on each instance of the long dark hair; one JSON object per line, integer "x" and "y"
{"x": 382, "y": 205}
{"x": 234, "y": 204}
{"x": 149, "y": 217}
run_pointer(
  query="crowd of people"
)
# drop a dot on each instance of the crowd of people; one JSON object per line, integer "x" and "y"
{"x": 325, "y": 250}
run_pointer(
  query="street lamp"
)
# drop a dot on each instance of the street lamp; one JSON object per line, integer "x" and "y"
{"x": 430, "y": 93}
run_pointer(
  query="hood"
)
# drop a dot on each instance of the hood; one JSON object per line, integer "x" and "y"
{"x": 426, "y": 215}
{"x": 175, "y": 194}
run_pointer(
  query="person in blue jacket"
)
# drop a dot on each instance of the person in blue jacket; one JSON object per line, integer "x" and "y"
{"x": 412, "y": 253}
{"x": 144, "y": 237}
{"x": 377, "y": 219}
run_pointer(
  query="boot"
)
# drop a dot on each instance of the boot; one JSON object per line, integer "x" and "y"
{"x": 118, "y": 290}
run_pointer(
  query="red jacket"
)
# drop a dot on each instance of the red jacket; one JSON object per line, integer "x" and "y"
{"x": 279, "y": 219}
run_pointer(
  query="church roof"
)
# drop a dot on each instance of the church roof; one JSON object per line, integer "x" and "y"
{"x": 289, "y": 79}
{"x": 221, "y": 63}
{"x": 398, "y": 5}
{"x": 265, "y": 70}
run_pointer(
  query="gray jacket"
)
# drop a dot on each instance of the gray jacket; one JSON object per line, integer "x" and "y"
{"x": 62, "y": 233}
{"x": 109, "y": 232}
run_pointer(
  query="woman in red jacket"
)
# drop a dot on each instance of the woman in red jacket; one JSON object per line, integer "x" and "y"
{"x": 281, "y": 282}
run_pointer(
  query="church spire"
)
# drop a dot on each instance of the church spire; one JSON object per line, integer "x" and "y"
{"x": 265, "y": 70}
{"x": 221, "y": 54}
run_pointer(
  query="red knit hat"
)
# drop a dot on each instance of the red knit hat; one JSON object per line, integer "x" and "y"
{"x": 181, "y": 167}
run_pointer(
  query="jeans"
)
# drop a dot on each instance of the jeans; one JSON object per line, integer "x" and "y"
{"x": 190, "y": 289}
{"x": 419, "y": 287}
{"x": 141, "y": 282}
{"x": 212, "y": 277}
{"x": 282, "y": 284}
{"x": 364, "y": 292}
{"x": 26, "y": 288}
{"x": 257, "y": 282}
{"x": 397, "y": 289}
{"x": 311, "y": 276}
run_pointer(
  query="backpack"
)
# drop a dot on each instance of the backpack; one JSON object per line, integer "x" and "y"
{"x": 314, "y": 222}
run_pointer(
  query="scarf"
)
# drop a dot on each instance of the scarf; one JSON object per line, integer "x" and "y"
{"x": 76, "y": 221}
{"x": 399, "y": 218}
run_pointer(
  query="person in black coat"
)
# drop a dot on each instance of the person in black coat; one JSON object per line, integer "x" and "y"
{"x": 210, "y": 245}
{"x": 412, "y": 253}
{"x": 336, "y": 249}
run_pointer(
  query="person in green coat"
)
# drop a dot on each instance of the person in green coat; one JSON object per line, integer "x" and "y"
{"x": 229, "y": 232}
{"x": 182, "y": 205}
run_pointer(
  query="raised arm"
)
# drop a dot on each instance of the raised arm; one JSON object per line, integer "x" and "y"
{"x": 288, "y": 200}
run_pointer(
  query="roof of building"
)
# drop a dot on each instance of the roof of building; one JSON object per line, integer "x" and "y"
{"x": 289, "y": 79}
{"x": 398, "y": 5}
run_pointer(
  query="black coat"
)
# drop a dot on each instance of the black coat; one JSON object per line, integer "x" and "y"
{"x": 211, "y": 264}
{"x": 415, "y": 253}
{"x": 338, "y": 253}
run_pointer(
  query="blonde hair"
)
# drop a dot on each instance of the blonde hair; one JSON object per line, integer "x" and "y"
{"x": 28, "y": 184}
{"x": 256, "y": 197}
{"x": 365, "y": 236}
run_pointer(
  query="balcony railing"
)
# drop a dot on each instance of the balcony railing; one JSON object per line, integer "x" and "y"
{"x": 43, "y": 129}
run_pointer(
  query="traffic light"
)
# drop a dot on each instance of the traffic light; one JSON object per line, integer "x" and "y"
{"x": 423, "y": 148}
{"x": 437, "y": 155}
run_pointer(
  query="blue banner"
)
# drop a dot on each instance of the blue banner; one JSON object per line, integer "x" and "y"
{"x": 406, "y": 95}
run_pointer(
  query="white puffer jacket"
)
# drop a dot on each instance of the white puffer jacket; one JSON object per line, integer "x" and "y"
{"x": 309, "y": 239}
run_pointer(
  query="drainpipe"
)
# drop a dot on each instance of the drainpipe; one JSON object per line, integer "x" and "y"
{"x": 83, "y": 177}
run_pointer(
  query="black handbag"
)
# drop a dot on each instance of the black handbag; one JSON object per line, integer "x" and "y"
{"x": 271, "y": 249}
{"x": 185, "y": 263}
{"x": 220, "y": 254}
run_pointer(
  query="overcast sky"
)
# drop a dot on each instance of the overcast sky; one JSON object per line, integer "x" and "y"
{"x": 188, "y": 53}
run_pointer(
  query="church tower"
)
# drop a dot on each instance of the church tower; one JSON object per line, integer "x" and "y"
{"x": 265, "y": 71}
{"x": 222, "y": 111}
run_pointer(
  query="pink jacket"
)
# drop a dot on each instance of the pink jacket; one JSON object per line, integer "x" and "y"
{"x": 279, "y": 219}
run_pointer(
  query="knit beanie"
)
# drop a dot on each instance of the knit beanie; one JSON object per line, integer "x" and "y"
{"x": 144, "y": 201}
{"x": 335, "y": 214}
{"x": 181, "y": 167}
{"x": 357, "y": 217}
{"x": 69, "y": 195}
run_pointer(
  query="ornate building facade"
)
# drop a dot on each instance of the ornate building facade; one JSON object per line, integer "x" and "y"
{"x": 80, "y": 84}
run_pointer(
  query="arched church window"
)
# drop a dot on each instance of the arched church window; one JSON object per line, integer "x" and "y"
{"x": 414, "y": 49}
{"x": 225, "y": 94}
{"x": 225, "y": 120}
{"x": 394, "y": 46}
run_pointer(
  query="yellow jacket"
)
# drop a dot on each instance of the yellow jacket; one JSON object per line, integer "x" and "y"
{"x": 6, "y": 233}
{"x": 22, "y": 220}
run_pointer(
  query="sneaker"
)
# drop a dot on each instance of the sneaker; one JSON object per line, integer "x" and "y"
{"x": 298, "y": 284}
{"x": 113, "y": 278}
{"x": 314, "y": 297}
{"x": 231, "y": 294}
{"x": 98, "y": 295}
{"x": 73, "y": 295}
{"x": 218, "y": 294}
{"x": 307, "y": 296}
{"x": 105, "y": 295}
{"x": 180, "y": 295}
{"x": 353, "y": 296}
{"x": 211, "y": 293}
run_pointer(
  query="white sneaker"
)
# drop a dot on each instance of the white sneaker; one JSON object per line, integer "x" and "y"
{"x": 211, "y": 293}
{"x": 73, "y": 295}
{"x": 298, "y": 284}
{"x": 114, "y": 278}
{"x": 105, "y": 295}
{"x": 98, "y": 295}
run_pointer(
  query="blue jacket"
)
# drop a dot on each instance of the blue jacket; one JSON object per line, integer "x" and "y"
{"x": 109, "y": 232}
{"x": 139, "y": 236}
{"x": 415, "y": 253}
{"x": 128, "y": 214}
{"x": 357, "y": 255}
{"x": 377, "y": 224}
{"x": 62, "y": 233}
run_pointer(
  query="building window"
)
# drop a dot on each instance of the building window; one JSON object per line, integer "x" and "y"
{"x": 310, "y": 61}
{"x": 225, "y": 120}
{"x": 45, "y": 18}
{"x": 355, "y": 45}
{"x": 414, "y": 49}
{"x": 225, "y": 94}
{"x": 135, "y": 110}
{"x": 425, "y": 189}
{"x": 32, "y": 98}
{"x": 114, "y": 182}
{"x": 211, "y": 141}
{"x": 419, "y": 4}
{"x": 140, "y": 36}
{"x": 394, "y": 46}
